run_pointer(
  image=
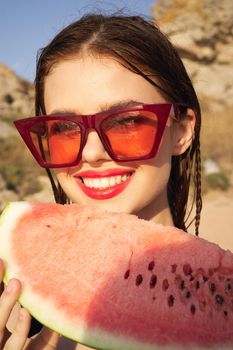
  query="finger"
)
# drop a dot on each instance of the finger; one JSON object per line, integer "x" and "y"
{"x": 1, "y": 273}
{"x": 1, "y": 276}
{"x": 6, "y": 334}
{"x": 7, "y": 301}
{"x": 1, "y": 288}
{"x": 49, "y": 337}
{"x": 45, "y": 340}
{"x": 19, "y": 336}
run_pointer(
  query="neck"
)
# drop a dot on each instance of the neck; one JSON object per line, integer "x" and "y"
{"x": 158, "y": 211}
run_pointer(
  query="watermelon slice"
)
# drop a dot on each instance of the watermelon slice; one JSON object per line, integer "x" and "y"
{"x": 113, "y": 281}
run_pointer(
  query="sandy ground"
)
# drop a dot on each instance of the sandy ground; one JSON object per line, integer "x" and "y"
{"x": 217, "y": 218}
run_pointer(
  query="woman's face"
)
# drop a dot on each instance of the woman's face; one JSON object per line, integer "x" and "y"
{"x": 89, "y": 85}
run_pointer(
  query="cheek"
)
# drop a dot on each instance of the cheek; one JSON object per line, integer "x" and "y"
{"x": 152, "y": 176}
{"x": 165, "y": 150}
{"x": 60, "y": 173}
{"x": 64, "y": 180}
{"x": 155, "y": 172}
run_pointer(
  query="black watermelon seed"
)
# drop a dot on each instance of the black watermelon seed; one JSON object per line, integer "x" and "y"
{"x": 228, "y": 287}
{"x": 173, "y": 268}
{"x": 212, "y": 287}
{"x": 191, "y": 278}
{"x": 187, "y": 269}
{"x": 219, "y": 299}
{"x": 170, "y": 300}
{"x": 127, "y": 273}
{"x": 165, "y": 285}
{"x": 153, "y": 281}
{"x": 187, "y": 294}
{"x": 139, "y": 279}
{"x": 193, "y": 309}
{"x": 225, "y": 312}
{"x": 181, "y": 284}
{"x": 151, "y": 265}
{"x": 205, "y": 278}
{"x": 197, "y": 285}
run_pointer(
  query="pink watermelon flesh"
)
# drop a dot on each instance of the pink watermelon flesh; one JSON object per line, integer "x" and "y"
{"x": 141, "y": 283}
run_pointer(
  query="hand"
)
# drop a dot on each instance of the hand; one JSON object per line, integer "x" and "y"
{"x": 8, "y": 299}
{"x": 45, "y": 340}
{"x": 18, "y": 339}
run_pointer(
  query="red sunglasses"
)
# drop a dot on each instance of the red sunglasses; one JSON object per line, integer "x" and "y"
{"x": 57, "y": 141}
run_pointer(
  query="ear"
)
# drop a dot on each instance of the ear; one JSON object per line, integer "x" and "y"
{"x": 183, "y": 133}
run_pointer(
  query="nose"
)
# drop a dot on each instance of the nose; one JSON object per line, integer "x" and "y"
{"x": 94, "y": 150}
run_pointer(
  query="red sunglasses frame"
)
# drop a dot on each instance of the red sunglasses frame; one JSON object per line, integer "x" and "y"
{"x": 94, "y": 121}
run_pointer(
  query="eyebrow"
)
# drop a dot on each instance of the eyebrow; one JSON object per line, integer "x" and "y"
{"x": 103, "y": 108}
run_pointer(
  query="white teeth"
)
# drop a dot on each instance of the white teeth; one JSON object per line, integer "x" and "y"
{"x": 124, "y": 177}
{"x": 112, "y": 181}
{"x": 87, "y": 183}
{"x": 104, "y": 182}
{"x": 118, "y": 179}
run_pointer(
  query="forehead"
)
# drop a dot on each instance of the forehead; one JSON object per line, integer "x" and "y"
{"x": 85, "y": 84}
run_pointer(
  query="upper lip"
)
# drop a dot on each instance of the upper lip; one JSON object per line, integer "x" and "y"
{"x": 103, "y": 173}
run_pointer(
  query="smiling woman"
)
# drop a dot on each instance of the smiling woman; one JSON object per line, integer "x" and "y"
{"x": 118, "y": 121}
{"x": 138, "y": 190}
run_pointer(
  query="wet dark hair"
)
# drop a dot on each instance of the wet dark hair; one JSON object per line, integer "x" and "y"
{"x": 141, "y": 47}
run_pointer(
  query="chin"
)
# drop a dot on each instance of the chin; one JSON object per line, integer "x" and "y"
{"x": 113, "y": 205}
{"x": 128, "y": 201}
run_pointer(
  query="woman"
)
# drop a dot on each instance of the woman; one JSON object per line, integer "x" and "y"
{"x": 119, "y": 126}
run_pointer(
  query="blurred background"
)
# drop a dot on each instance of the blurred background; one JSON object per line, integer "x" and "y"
{"x": 202, "y": 31}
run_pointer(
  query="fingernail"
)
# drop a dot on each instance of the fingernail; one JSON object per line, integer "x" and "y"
{"x": 10, "y": 287}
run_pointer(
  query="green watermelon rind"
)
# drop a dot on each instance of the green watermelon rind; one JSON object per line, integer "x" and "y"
{"x": 3, "y": 218}
{"x": 3, "y": 222}
{"x": 96, "y": 338}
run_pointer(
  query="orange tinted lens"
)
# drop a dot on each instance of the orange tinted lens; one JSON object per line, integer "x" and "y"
{"x": 131, "y": 134}
{"x": 57, "y": 141}
{"x": 64, "y": 141}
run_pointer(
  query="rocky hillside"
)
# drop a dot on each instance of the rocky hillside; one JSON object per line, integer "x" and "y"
{"x": 16, "y": 94}
{"x": 19, "y": 176}
{"x": 16, "y": 99}
{"x": 202, "y": 30}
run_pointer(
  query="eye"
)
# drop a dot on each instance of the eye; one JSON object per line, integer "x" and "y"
{"x": 125, "y": 121}
{"x": 39, "y": 129}
{"x": 132, "y": 120}
{"x": 66, "y": 128}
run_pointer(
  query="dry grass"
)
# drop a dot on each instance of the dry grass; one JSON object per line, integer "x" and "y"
{"x": 217, "y": 137}
{"x": 17, "y": 167}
